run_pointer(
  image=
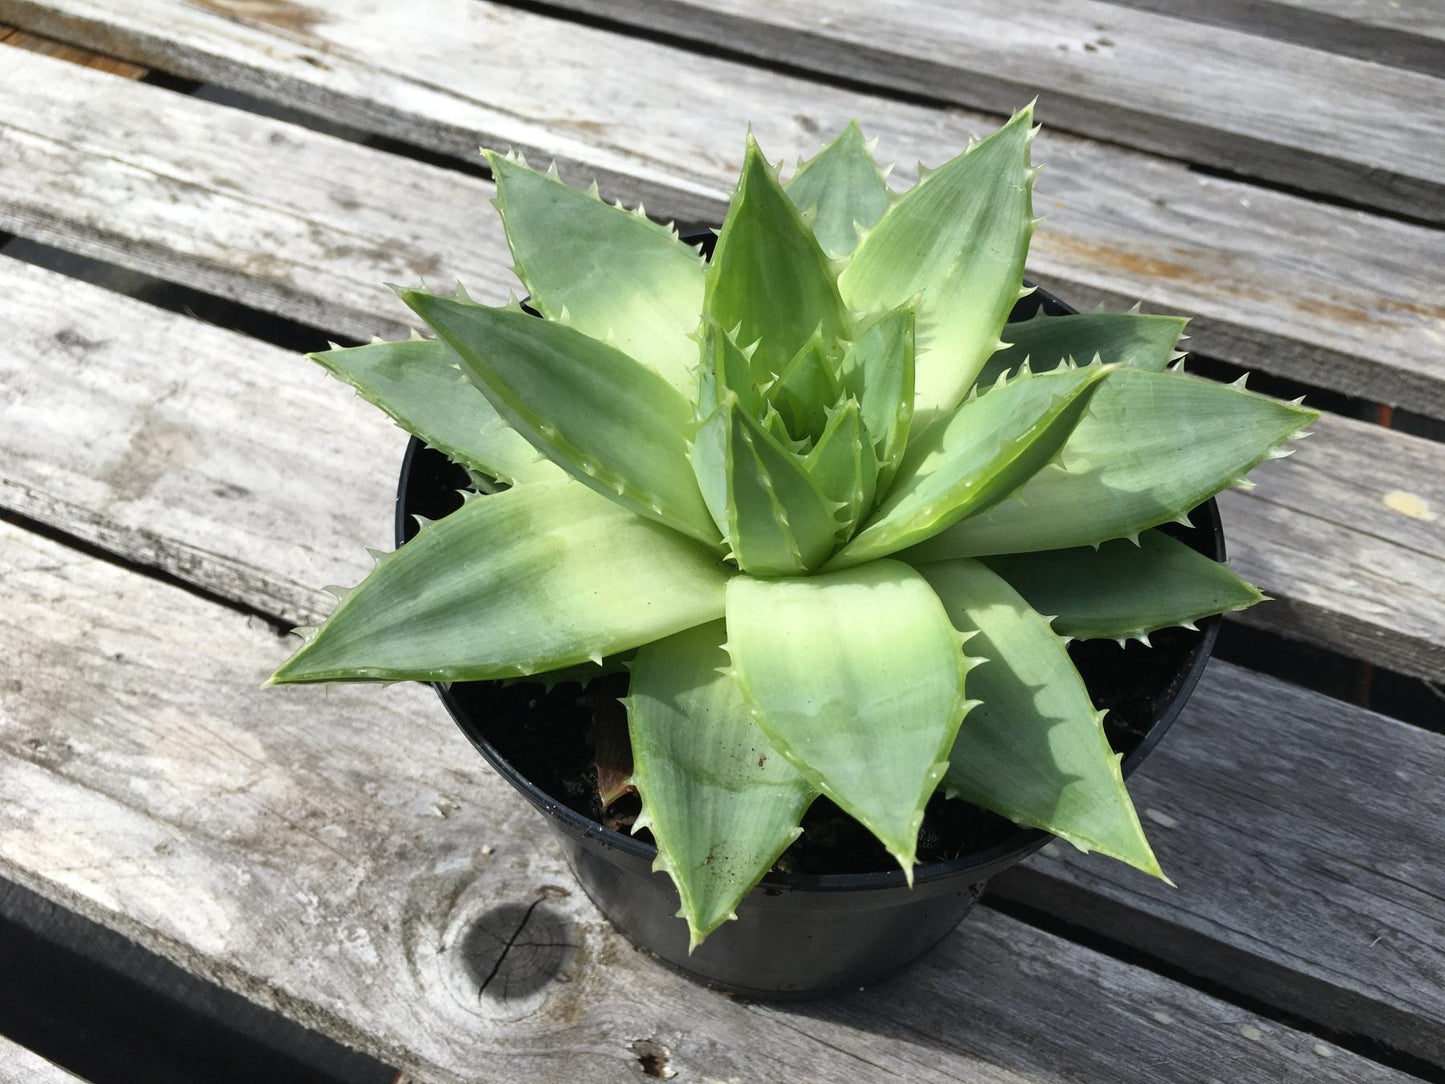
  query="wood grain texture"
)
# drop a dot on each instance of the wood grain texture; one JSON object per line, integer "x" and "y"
{"x": 340, "y": 855}
{"x": 298, "y": 223}
{"x": 21, "y": 1066}
{"x": 218, "y": 394}
{"x": 187, "y": 447}
{"x": 1289, "y": 822}
{"x": 31, "y": 43}
{"x": 199, "y": 452}
{"x": 1400, "y": 33}
{"x": 250, "y": 209}
{"x": 1348, "y": 536}
{"x": 1227, "y": 100}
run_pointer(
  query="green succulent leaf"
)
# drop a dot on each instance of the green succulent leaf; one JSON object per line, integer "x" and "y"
{"x": 1034, "y": 749}
{"x": 775, "y": 517}
{"x": 805, "y": 390}
{"x": 992, "y": 445}
{"x": 957, "y": 241}
{"x": 857, "y": 678}
{"x": 829, "y": 436}
{"x": 1152, "y": 446}
{"x": 724, "y": 365}
{"x": 877, "y": 370}
{"x": 581, "y": 674}
{"x": 510, "y": 585}
{"x": 1123, "y": 590}
{"x": 612, "y": 274}
{"x": 720, "y": 803}
{"x": 1116, "y": 338}
{"x": 768, "y": 282}
{"x": 844, "y": 188}
{"x": 843, "y": 465}
{"x": 609, "y": 421}
{"x": 421, "y": 386}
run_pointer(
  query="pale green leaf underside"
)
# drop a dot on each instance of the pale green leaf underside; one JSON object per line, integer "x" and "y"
{"x": 723, "y": 365}
{"x": 1152, "y": 446}
{"x": 778, "y": 521}
{"x": 877, "y": 370}
{"x": 804, "y": 391}
{"x": 957, "y": 240}
{"x": 1034, "y": 749}
{"x": 844, "y": 185}
{"x": 1115, "y": 338}
{"x": 843, "y": 465}
{"x": 617, "y": 276}
{"x": 609, "y": 421}
{"x": 420, "y": 385}
{"x": 991, "y": 445}
{"x": 1122, "y": 590}
{"x": 721, "y": 804}
{"x": 768, "y": 281}
{"x": 857, "y": 678}
{"x": 510, "y": 584}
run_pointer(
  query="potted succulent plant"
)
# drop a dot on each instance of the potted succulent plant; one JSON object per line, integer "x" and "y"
{"x": 840, "y": 518}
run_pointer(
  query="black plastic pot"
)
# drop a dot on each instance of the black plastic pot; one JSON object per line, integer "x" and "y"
{"x": 798, "y": 935}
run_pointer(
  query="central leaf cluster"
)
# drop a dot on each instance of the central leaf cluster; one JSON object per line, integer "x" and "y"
{"x": 802, "y": 408}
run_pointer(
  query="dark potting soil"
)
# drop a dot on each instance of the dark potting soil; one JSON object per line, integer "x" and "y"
{"x": 549, "y": 735}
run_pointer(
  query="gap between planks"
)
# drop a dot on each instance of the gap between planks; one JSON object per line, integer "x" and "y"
{"x": 1272, "y": 110}
{"x": 1398, "y": 33}
{"x": 185, "y": 440}
{"x": 19, "y": 39}
{"x": 272, "y": 426}
{"x": 328, "y": 852}
{"x": 279, "y": 218}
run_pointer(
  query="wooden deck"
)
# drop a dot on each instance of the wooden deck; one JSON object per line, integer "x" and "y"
{"x": 192, "y": 192}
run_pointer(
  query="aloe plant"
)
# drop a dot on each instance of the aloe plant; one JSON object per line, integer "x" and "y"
{"x": 845, "y": 519}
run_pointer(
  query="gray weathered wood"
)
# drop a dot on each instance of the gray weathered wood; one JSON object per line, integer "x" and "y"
{"x": 326, "y": 853}
{"x": 31, "y": 43}
{"x": 240, "y": 206}
{"x": 192, "y": 449}
{"x": 1348, "y": 536}
{"x": 291, "y": 221}
{"x": 1290, "y": 822}
{"x": 1400, "y": 33}
{"x": 1268, "y": 109}
{"x": 340, "y": 440}
{"x": 187, "y": 447}
{"x": 21, "y": 1066}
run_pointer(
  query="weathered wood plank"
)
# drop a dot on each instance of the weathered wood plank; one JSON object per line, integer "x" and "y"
{"x": 1423, "y": 17}
{"x": 187, "y": 447}
{"x": 18, "y": 39}
{"x": 243, "y": 207}
{"x": 1401, "y": 33}
{"x": 1331, "y": 297}
{"x": 333, "y": 855}
{"x": 1348, "y": 536}
{"x": 21, "y": 1066}
{"x": 108, "y": 1010}
{"x": 1267, "y": 109}
{"x": 1290, "y": 822}
{"x": 335, "y": 437}
{"x": 194, "y": 450}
